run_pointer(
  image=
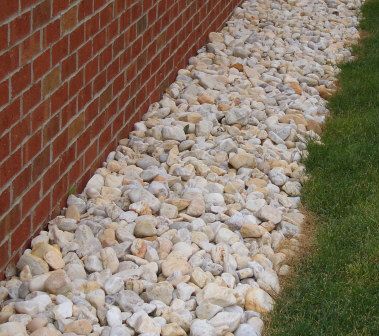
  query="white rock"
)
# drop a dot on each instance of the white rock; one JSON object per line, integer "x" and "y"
{"x": 114, "y": 317}
{"x": 217, "y": 295}
{"x": 269, "y": 213}
{"x": 202, "y": 328}
{"x": 33, "y": 306}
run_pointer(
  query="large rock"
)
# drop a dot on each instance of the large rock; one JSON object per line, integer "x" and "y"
{"x": 33, "y": 306}
{"x": 37, "y": 265}
{"x": 245, "y": 160}
{"x": 161, "y": 291}
{"x": 145, "y": 226}
{"x": 217, "y": 295}
{"x": 258, "y": 300}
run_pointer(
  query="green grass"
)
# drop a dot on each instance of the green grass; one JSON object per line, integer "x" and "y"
{"x": 335, "y": 289}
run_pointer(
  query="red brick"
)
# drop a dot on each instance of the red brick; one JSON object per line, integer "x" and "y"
{"x": 99, "y": 41}
{"x": 90, "y": 154}
{"x": 40, "y": 163}
{"x": 60, "y": 189}
{"x": 30, "y": 47}
{"x": 41, "y": 65}
{"x": 84, "y": 54}
{"x": 4, "y": 251}
{"x": 84, "y": 96}
{"x": 5, "y": 199}
{"x": 3, "y": 36}
{"x": 68, "y": 111}
{"x": 51, "y": 33}
{"x": 31, "y": 97}
{"x": 60, "y": 5}
{"x": 31, "y": 198}
{"x": 20, "y": 27}
{"x": 8, "y": 8}
{"x": 32, "y": 146}
{"x": 106, "y": 15}
{"x": 91, "y": 69}
{"x": 21, "y": 79}
{"x": 69, "y": 19}
{"x": 91, "y": 112}
{"x": 27, "y": 3}
{"x": 21, "y": 234}
{"x": 9, "y": 115}
{"x": 119, "y": 7}
{"x": 21, "y": 182}
{"x": 76, "y": 38}
{"x": 60, "y": 143}
{"x": 9, "y": 61}
{"x": 40, "y": 115}
{"x": 50, "y": 177}
{"x": 51, "y": 129}
{"x": 4, "y": 146}
{"x": 19, "y": 132}
{"x": 76, "y": 127}
{"x": 75, "y": 171}
{"x": 10, "y": 167}
{"x": 66, "y": 158}
{"x": 105, "y": 57}
{"x": 85, "y": 9}
{"x": 59, "y": 50}
{"x": 41, "y": 212}
{"x": 4, "y": 92}
{"x": 59, "y": 98}
{"x": 41, "y": 14}
{"x": 69, "y": 66}
{"x": 76, "y": 83}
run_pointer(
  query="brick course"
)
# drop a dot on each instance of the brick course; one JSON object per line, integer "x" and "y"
{"x": 75, "y": 75}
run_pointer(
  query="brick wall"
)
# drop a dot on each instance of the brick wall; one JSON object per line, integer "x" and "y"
{"x": 74, "y": 77}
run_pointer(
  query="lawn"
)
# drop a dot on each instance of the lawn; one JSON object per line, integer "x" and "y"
{"x": 335, "y": 288}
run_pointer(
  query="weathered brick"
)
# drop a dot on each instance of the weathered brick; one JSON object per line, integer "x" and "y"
{"x": 51, "y": 81}
{"x": 76, "y": 127}
{"x": 141, "y": 24}
{"x": 69, "y": 19}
